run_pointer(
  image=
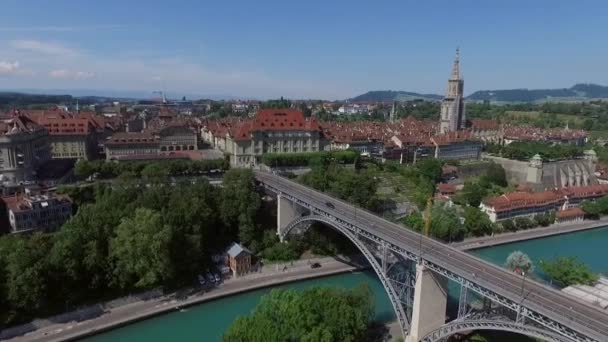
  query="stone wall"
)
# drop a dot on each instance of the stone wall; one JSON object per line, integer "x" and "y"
{"x": 550, "y": 174}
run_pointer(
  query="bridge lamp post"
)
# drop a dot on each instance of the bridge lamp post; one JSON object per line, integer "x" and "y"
{"x": 523, "y": 282}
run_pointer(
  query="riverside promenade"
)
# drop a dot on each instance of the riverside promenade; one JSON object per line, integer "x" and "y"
{"x": 530, "y": 234}
{"x": 270, "y": 275}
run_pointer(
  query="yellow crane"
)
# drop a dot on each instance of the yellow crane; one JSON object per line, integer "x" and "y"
{"x": 427, "y": 216}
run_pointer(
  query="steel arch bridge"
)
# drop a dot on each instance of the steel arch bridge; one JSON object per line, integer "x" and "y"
{"x": 461, "y": 326}
{"x": 441, "y": 334}
{"x": 385, "y": 244}
{"x": 381, "y": 269}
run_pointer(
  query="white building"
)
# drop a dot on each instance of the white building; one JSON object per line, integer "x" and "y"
{"x": 31, "y": 212}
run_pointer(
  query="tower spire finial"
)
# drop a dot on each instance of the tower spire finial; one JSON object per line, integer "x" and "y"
{"x": 456, "y": 66}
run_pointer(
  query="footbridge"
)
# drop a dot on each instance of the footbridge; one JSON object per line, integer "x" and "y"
{"x": 415, "y": 270}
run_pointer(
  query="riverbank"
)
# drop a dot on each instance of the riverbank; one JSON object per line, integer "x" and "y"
{"x": 120, "y": 316}
{"x": 531, "y": 234}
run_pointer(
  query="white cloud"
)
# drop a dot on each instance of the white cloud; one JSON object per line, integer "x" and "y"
{"x": 68, "y": 74}
{"x": 9, "y": 68}
{"x": 56, "y": 64}
{"x": 43, "y": 47}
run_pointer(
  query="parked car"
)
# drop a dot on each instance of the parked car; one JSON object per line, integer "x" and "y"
{"x": 217, "y": 278}
{"x": 201, "y": 280}
{"x": 315, "y": 265}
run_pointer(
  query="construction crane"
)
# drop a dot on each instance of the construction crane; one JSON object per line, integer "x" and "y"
{"x": 427, "y": 216}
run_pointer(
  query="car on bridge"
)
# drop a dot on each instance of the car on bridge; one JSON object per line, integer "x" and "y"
{"x": 330, "y": 205}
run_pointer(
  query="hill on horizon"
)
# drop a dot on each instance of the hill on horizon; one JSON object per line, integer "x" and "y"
{"x": 577, "y": 93}
{"x": 393, "y": 95}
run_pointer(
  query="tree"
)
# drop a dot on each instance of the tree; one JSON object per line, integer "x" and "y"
{"x": 140, "y": 250}
{"x": 523, "y": 223}
{"x": 430, "y": 168}
{"x": 155, "y": 173}
{"x": 496, "y": 174}
{"x": 508, "y": 225}
{"x": 84, "y": 168}
{"x": 446, "y": 224}
{"x": 28, "y": 272}
{"x": 239, "y": 203}
{"x": 316, "y": 314}
{"x": 519, "y": 262}
{"x": 473, "y": 193}
{"x": 543, "y": 219}
{"x": 568, "y": 271}
{"x": 414, "y": 221}
{"x": 476, "y": 222}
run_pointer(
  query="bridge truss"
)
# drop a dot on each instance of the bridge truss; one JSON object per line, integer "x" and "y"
{"x": 400, "y": 287}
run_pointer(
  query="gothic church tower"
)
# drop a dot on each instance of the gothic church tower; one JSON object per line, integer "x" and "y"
{"x": 452, "y": 106}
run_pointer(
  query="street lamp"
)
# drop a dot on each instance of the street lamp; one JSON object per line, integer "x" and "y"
{"x": 523, "y": 281}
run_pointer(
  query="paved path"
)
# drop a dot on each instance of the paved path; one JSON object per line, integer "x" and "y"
{"x": 271, "y": 275}
{"x": 521, "y": 235}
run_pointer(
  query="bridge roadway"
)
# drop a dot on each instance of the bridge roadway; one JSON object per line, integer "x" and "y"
{"x": 567, "y": 311}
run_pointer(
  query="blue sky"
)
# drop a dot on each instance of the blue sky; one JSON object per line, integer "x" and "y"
{"x": 300, "y": 49}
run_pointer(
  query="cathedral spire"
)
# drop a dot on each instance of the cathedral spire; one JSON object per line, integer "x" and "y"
{"x": 456, "y": 66}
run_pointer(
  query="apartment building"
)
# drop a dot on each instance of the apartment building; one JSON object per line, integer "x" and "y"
{"x": 33, "y": 211}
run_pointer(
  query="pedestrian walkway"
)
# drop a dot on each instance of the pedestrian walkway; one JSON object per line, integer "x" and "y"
{"x": 522, "y": 235}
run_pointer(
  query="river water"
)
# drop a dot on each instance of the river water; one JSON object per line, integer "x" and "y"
{"x": 208, "y": 321}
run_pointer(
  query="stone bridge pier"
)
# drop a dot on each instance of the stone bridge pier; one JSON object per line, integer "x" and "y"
{"x": 287, "y": 212}
{"x": 430, "y": 303}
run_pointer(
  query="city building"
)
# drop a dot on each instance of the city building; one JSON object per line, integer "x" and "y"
{"x": 153, "y": 143}
{"x": 239, "y": 259}
{"x": 271, "y": 131}
{"x": 528, "y": 204}
{"x": 457, "y": 145}
{"x": 452, "y": 116}
{"x": 71, "y": 136}
{"x": 122, "y": 145}
{"x": 34, "y": 211}
{"x": 487, "y": 130}
{"x": 24, "y": 147}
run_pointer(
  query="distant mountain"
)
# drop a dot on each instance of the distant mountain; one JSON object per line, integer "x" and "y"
{"x": 13, "y": 99}
{"x": 392, "y": 95}
{"x": 578, "y": 92}
{"x": 120, "y": 94}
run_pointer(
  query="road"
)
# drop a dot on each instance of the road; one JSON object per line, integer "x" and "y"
{"x": 522, "y": 235}
{"x": 271, "y": 275}
{"x": 565, "y": 310}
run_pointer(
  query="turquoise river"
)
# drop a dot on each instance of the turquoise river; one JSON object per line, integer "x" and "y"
{"x": 208, "y": 321}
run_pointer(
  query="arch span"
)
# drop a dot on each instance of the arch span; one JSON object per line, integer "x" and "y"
{"x": 378, "y": 269}
{"x": 460, "y": 326}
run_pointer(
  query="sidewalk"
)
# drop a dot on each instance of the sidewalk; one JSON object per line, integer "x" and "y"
{"x": 530, "y": 234}
{"x": 116, "y": 317}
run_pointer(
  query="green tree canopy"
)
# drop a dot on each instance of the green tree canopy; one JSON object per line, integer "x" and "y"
{"x": 519, "y": 261}
{"x": 316, "y": 314}
{"x": 140, "y": 250}
{"x": 476, "y": 222}
{"x": 568, "y": 271}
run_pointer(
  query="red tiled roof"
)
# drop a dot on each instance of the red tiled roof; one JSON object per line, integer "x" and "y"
{"x": 516, "y": 200}
{"x": 446, "y": 188}
{"x": 283, "y": 120}
{"x": 452, "y": 137}
{"x": 572, "y": 212}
